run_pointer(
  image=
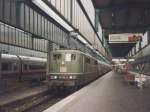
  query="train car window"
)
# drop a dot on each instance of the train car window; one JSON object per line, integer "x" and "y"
{"x": 87, "y": 60}
{"x": 42, "y": 66}
{"x": 25, "y": 66}
{"x": 56, "y": 56}
{"x": 32, "y": 67}
{"x": 6, "y": 66}
{"x": 15, "y": 66}
{"x": 36, "y": 67}
{"x": 73, "y": 57}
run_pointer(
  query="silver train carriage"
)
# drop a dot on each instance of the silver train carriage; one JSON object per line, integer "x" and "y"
{"x": 22, "y": 67}
{"x": 72, "y": 68}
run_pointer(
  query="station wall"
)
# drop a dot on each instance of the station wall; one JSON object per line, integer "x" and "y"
{"x": 25, "y": 25}
{"x": 63, "y": 6}
{"x": 19, "y": 14}
{"x": 6, "y": 48}
{"x": 13, "y": 36}
{"x": 77, "y": 17}
{"x": 90, "y": 10}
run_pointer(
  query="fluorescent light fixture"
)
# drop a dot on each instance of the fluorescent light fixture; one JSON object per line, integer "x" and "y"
{"x": 82, "y": 39}
{"x": 131, "y": 60}
{"x": 52, "y": 14}
{"x": 91, "y": 47}
{"x": 112, "y": 14}
{"x": 123, "y": 59}
{"x": 115, "y": 59}
{"x": 73, "y": 33}
{"x": 99, "y": 54}
{"x": 121, "y": 64}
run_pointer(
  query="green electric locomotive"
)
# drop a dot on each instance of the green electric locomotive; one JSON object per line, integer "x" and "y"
{"x": 73, "y": 68}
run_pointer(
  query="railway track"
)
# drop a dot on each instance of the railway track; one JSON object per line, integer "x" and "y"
{"x": 23, "y": 104}
{"x": 43, "y": 105}
{"x": 34, "y": 103}
{"x": 56, "y": 97}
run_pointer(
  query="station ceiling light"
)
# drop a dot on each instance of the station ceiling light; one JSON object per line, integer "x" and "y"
{"x": 43, "y": 6}
{"x": 130, "y": 60}
{"x": 90, "y": 46}
{"x": 82, "y": 39}
{"x": 115, "y": 60}
{"x": 123, "y": 59}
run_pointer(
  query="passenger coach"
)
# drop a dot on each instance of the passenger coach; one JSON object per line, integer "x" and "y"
{"x": 22, "y": 67}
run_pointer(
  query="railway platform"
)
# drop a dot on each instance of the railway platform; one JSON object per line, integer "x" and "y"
{"x": 20, "y": 95}
{"x": 109, "y": 93}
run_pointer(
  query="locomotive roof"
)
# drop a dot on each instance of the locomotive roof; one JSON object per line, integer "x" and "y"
{"x": 72, "y": 51}
{"x": 67, "y": 51}
{"x": 77, "y": 51}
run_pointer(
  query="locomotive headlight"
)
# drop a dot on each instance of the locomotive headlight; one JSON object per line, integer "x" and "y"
{"x": 70, "y": 77}
{"x": 53, "y": 77}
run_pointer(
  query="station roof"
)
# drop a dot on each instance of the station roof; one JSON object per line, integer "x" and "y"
{"x": 123, "y": 16}
{"x": 120, "y": 50}
{"x": 118, "y": 16}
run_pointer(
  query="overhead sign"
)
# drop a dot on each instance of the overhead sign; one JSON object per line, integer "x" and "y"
{"x": 124, "y": 38}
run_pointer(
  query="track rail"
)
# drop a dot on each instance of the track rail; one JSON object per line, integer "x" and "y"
{"x": 26, "y": 103}
{"x": 35, "y": 103}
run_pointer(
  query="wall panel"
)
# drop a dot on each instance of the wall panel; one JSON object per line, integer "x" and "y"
{"x": 1, "y": 9}
{"x": 88, "y": 6}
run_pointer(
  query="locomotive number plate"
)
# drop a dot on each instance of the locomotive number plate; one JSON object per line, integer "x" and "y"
{"x": 63, "y": 69}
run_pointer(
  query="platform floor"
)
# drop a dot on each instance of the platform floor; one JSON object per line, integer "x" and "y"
{"x": 109, "y": 93}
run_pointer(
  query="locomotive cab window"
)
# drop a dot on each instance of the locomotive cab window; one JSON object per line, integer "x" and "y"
{"x": 87, "y": 60}
{"x": 73, "y": 57}
{"x": 36, "y": 67}
{"x": 56, "y": 56}
{"x": 15, "y": 67}
{"x": 25, "y": 67}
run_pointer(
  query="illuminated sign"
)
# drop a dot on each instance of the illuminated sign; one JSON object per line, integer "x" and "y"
{"x": 134, "y": 38}
{"x": 125, "y": 38}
